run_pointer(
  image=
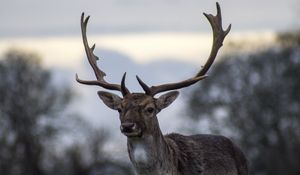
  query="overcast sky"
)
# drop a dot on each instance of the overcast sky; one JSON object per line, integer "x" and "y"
{"x": 61, "y": 17}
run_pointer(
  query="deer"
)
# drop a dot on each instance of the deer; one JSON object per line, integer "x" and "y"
{"x": 151, "y": 152}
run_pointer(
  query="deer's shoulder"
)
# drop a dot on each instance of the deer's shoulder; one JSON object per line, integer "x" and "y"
{"x": 198, "y": 153}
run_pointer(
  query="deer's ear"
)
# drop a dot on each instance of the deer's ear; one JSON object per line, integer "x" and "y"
{"x": 166, "y": 99}
{"x": 111, "y": 100}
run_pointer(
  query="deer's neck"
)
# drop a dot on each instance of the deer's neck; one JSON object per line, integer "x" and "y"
{"x": 150, "y": 154}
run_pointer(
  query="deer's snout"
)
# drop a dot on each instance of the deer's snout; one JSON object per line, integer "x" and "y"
{"x": 130, "y": 129}
{"x": 127, "y": 127}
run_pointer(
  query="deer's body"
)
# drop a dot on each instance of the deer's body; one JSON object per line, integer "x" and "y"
{"x": 176, "y": 154}
{"x": 150, "y": 152}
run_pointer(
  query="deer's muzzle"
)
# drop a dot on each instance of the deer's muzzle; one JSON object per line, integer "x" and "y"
{"x": 130, "y": 129}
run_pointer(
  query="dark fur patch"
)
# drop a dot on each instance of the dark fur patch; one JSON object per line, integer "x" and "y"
{"x": 206, "y": 153}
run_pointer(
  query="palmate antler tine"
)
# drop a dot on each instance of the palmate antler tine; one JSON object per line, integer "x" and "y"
{"x": 92, "y": 58}
{"x": 218, "y": 37}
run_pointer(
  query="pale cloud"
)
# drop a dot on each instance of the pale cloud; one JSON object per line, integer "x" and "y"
{"x": 61, "y": 52}
{"x": 193, "y": 48}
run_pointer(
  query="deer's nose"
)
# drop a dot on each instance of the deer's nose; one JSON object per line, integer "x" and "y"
{"x": 127, "y": 127}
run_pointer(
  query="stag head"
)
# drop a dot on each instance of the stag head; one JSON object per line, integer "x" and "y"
{"x": 138, "y": 110}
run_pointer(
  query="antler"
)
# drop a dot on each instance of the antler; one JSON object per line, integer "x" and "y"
{"x": 92, "y": 58}
{"x": 218, "y": 37}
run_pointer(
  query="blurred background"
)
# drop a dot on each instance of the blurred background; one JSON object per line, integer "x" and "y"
{"x": 49, "y": 124}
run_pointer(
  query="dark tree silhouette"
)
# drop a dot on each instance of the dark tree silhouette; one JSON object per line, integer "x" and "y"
{"x": 257, "y": 98}
{"x": 29, "y": 105}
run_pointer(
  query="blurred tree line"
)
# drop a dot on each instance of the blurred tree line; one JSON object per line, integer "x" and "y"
{"x": 255, "y": 99}
{"x": 32, "y": 119}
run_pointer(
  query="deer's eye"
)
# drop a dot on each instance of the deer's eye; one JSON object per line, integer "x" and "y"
{"x": 150, "y": 110}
